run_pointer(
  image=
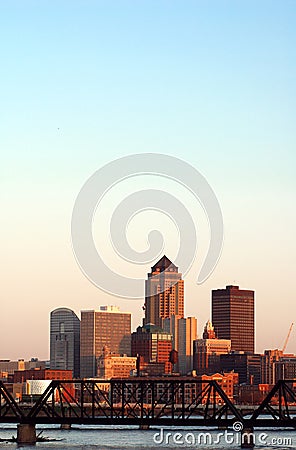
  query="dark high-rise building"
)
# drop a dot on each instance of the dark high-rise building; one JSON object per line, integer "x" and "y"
{"x": 164, "y": 293}
{"x": 107, "y": 327}
{"x": 65, "y": 340}
{"x": 233, "y": 317}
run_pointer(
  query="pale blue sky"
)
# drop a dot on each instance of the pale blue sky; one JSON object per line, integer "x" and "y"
{"x": 84, "y": 82}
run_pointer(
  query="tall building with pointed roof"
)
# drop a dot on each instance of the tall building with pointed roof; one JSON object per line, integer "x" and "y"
{"x": 164, "y": 293}
{"x": 164, "y": 264}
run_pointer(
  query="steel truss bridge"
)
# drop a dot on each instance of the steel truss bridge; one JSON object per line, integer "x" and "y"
{"x": 144, "y": 402}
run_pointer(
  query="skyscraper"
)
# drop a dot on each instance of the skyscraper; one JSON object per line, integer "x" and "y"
{"x": 107, "y": 327}
{"x": 65, "y": 340}
{"x": 164, "y": 293}
{"x": 187, "y": 335}
{"x": 233, "y": 317}
{"x": 184, "y": 332}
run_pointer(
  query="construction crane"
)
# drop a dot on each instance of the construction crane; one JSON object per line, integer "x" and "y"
{"x": 288, "y": 337}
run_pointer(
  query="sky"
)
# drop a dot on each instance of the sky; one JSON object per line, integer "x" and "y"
{"x": 85, "y": 82}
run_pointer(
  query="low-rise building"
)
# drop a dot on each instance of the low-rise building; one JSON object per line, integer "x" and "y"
{"x": 247, "y": 365}
{"x": 285, "y": 368}
{"x": 21, "y": 376}
{"x": 112, "y": 365}
{"x": 226, "y": 381}
{"x": 153, "y": 345}
{"x": 207, "y": 351}
{"x": 252, "y": 394}
{"x": 8, "y": 366}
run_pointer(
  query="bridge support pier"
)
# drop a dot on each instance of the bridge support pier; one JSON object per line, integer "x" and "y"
{"x": 144, "y": 426}
{"x": 247, "y": 437}
{"x": 65, "y": 426}
{"x": 26, "y": 433}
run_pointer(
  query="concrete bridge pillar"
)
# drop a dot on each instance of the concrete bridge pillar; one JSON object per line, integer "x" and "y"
{"x": 66, "y": 426}
{"x": 247, "y": 437}
{"x": 26, "y": 433}
{"x": 144, "y": 426}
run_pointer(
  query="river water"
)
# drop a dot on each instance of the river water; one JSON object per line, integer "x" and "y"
{"x": 101, "y": 437}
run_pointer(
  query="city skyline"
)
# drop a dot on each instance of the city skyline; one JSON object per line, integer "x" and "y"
{"x": 163, "y": 265}
{"x": 213, "y": 85}
{"x": 232, "y": 315}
